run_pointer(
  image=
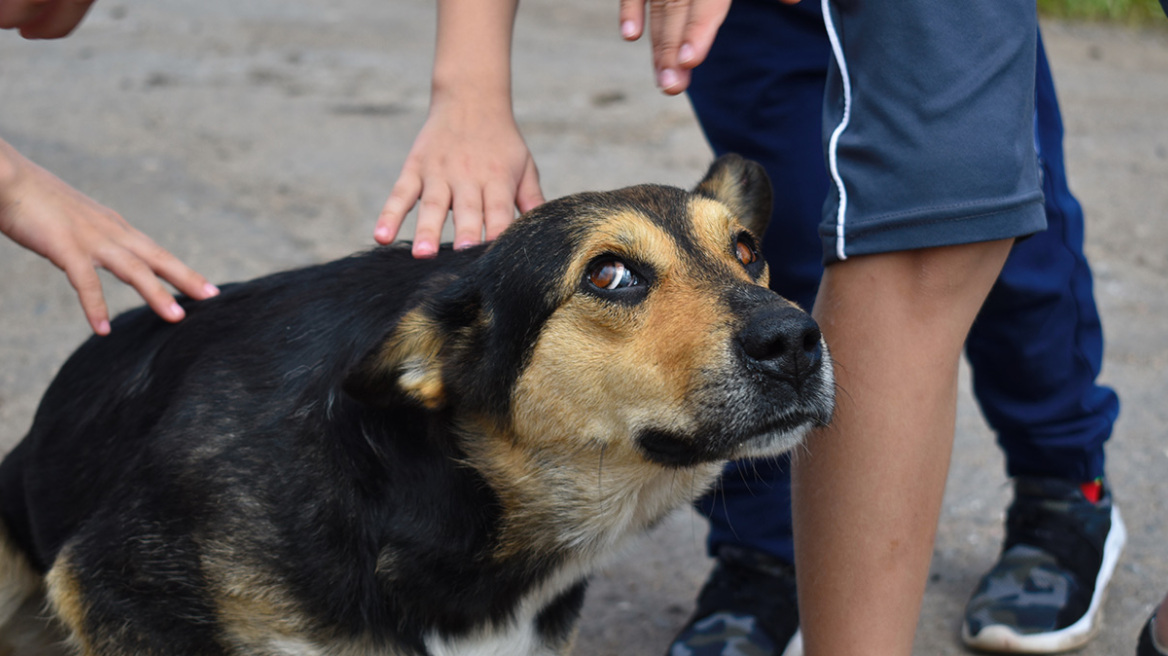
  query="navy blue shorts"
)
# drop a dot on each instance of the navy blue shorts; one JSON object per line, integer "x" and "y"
{"x": 928, "y": 125}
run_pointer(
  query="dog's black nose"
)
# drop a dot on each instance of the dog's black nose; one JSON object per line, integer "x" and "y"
{"x": 784, "y": 340}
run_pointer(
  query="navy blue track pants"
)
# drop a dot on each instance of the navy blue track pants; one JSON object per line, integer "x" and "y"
{"x": 1036, "y": 347}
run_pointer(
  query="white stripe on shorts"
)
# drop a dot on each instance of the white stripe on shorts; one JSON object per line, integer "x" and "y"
{"x": 833, "y": 145}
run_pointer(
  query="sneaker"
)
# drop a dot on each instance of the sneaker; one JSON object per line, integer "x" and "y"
{"x": 746, "y": 608}
{"x": 1148, "y": 645}
{"x": 1045, "y": 594}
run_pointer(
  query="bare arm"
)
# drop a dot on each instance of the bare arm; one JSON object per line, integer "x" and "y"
{"x": 469, "y": 157}
{"x": 45, "y": 215}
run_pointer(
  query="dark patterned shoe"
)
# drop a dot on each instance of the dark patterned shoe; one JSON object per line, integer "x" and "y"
{"x": 746, "y": 608}
{"x": 1045, "y": 593}
{"x": 1148, "y": 646}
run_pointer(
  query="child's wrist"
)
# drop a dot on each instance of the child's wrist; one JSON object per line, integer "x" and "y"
{"x": 484, "y": 97}
{"x": 479, "y": 88}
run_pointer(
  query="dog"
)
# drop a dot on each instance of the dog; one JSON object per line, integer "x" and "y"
{"x": 405, "y": 457}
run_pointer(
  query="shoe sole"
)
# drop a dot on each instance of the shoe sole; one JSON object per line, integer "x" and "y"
{"x": 1002, "y": 638}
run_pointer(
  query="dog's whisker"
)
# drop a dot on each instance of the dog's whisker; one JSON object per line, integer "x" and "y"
{"x": 600, "y": 470}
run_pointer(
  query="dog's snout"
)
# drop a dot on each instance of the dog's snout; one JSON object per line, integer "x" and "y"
{"x": 784, "y": 340}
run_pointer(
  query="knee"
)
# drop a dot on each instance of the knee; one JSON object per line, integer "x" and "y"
{"x": 950, "y": 274}
{"x": 930, "y": 293}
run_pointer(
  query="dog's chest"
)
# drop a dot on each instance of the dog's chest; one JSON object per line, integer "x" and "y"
{"x": 519, "y": 639}
{"x": 521, "y": 636}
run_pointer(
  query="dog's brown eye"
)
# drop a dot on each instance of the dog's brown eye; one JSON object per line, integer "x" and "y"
{"x": 611, "y": 274}
{"x": 745, "y": 251}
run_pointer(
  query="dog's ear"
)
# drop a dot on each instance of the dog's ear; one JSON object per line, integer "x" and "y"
{"x": 406, "y": 363}
{"x": 743, "y": 186}
{"x": 409, "y": 361}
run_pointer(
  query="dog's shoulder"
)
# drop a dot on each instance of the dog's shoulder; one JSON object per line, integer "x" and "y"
{"x": 150, "y": 399}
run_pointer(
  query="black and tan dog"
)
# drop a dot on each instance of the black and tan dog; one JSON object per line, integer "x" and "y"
{"x": 384, "y": 455}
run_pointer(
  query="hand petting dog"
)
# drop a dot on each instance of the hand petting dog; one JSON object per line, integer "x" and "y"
{"x": 77, "y": 234}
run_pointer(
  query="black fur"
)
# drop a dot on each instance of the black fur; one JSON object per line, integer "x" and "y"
{"x": 246, "y": 394}
{"x": 268, "y": 437}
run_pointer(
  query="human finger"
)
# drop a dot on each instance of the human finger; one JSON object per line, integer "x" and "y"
{"x": 59, "y": 19}
{"x": 498, "y": 209}
{"x": 172, "y": 270}
{"x": 134, "y": 271}
{"x": 701, "y": 27}
{"x": 667, "y": 23}
{"x": 16, "y": 13}
{"x": 529, "y": 196}
{"x": 432, "y": 211}
{"x": 402, "y": 199}
{"x": 467, "y": 214}
{"x": 83, "y": 277}
{"x": 632, "y": 19}
{"x": 134, "y": 257}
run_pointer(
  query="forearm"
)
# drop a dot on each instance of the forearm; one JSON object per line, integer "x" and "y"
{"x": 472, "y": 59}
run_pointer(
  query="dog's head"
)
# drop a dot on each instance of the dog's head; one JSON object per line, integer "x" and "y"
{"x": 636, "y": 323}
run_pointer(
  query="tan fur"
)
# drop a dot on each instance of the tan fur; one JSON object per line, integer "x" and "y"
{"x": 567, "y": 435}
{"x": 18, "y": 581}
{"x": 602, "y": 498}
{"x": 412, "y": 351}
{"x": 716, "y": 230}
{"x": 635, "y": 354}
{"x": 722, "y": 185}
{"x": 25, "y": 629}
{"x": 254, "y": 609}
{"x": 258, "y": 617}
{"x": 63, "y": 591}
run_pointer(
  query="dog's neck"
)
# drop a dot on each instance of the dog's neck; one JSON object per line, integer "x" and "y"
{"x": 579, "y": 503}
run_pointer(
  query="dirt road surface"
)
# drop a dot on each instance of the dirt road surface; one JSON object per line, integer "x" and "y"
{"x": 254, "y": 136}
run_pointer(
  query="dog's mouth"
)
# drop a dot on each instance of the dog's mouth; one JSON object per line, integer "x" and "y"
{"x": 769, "y": 438}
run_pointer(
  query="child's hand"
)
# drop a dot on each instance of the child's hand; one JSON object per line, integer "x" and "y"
{"x": 468, "y": 159}
{"x": 681, "y": 31}
{"x": 47, "y": 216}
{"x": 43, "y": 19}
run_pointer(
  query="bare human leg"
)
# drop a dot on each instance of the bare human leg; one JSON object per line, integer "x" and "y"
{"x": 868, "y": 489}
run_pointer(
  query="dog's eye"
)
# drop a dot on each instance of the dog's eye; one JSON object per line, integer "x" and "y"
{"x": 612, "y": 274}
{"x": 745, "y": 251}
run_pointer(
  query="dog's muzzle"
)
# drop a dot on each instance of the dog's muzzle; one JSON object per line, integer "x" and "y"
{"x": 779, "y": 386}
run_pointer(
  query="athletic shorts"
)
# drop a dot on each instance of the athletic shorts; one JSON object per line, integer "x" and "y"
{"x": 929, "y": 125}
